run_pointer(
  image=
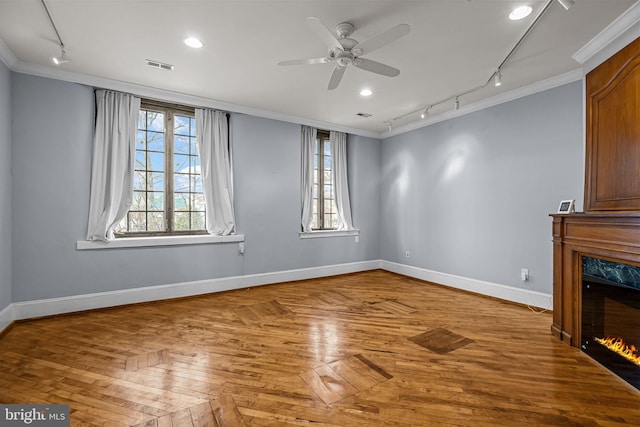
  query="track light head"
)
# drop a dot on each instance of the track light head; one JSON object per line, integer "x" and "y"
{"x": 567, "y": 3}
{"x": 498, "y": 78}
{"x": 62, "y": 58}
{"x": 424, "y": 113}
{"x": 456, "y": 104}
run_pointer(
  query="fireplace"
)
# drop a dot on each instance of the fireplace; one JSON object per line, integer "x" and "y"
{"x": 595, "y": 300}
{"x": 611, "y": 316}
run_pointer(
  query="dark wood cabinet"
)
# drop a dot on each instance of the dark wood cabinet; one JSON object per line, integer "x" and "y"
{"x": 612, "y": 182}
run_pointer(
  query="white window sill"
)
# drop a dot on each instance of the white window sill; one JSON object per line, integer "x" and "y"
{"x": 136, "y": 242}
{"x": 328, "y": 233}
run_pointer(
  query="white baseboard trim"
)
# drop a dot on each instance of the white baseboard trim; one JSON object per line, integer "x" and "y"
{"x": 509, "y": 293}
{"x": 6, "y": 317}
{"x": 53, "y": 306}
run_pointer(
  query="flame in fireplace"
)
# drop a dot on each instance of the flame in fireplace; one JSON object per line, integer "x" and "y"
{"x": 617, "y": 345}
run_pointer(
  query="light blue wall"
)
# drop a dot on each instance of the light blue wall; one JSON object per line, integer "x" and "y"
{"x": 52, "y": 142}
{"x": 266, "y": 165}
{"x": 5, "y": 186}
{"x": 471, "y": 196}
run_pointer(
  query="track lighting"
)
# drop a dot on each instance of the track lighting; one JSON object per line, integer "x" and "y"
{"x": 567, "y": 3}
{"x": 63, "y": 52}
{"x": 498, "y": 78}
{"x": 390, "y": 125}
{"x": 63, "y": 56}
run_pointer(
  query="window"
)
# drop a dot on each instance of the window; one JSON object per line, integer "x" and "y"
{"x": 324, "y": 204}
{"x": 167, "y": 187}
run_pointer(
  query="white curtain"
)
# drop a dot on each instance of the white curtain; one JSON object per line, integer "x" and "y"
{"x": 341, "y": 187}
{"x": 212, "y": 133}
{"x": 113, "y": 162}
{"x": 308, "y": 140}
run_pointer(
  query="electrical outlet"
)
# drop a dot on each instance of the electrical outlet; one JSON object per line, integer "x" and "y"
{"x": 356, "y": 239}
{"x": 524, "y": 274}
{"x": 241, "y": 248}
{"x": 407, "y": 254}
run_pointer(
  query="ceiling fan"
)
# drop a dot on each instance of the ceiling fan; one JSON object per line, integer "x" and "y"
{"x": 346, "y": 51}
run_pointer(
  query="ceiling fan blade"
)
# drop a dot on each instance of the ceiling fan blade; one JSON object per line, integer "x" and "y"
{"x": 383, "y": 39}
{"x": 323, "y": 32}
{"x": 336, "y": 77}
{"x": 305, "y": 61}
{"x": 376, "y": 67}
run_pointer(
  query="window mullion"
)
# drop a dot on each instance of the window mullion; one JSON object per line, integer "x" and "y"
{"x": 169, "y": 208}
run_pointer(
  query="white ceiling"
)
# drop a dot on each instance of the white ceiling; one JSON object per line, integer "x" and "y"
{"x": 453, "y": 46}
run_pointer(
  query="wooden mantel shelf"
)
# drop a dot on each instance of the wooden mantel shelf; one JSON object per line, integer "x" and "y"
{"x": 612, "y": 237}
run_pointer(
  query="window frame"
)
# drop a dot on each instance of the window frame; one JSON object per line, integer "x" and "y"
{"x": 170, "y": 110}
{"x": 323, "y": 137}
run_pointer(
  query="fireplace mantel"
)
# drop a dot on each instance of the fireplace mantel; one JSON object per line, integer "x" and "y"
{"x": 612, "y": 237}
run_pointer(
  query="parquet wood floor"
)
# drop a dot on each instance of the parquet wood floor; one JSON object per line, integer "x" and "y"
{"x": 323, "y": 352}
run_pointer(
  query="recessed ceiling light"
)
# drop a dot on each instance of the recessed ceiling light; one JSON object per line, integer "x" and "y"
{"x": 193, "y": 42}
{"x": 520, "y": 12}
{"x": 366, "y": 92}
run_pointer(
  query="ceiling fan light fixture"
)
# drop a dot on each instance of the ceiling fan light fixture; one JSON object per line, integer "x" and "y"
{"x": 193, "y": 42}
{"x": 366, "y": 92}
{"x": 521, "y": 12}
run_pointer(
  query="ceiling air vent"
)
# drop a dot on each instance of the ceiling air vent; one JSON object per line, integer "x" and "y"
{"x": 365, "y": 115}
{"x": 160, "y": 65}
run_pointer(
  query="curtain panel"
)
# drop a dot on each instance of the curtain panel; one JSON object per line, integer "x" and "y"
{"x": 212, "y": 134}
{"x": 113, "y": 162}
{"x": 308, "y": 140}
{"x": 341, "y": 185}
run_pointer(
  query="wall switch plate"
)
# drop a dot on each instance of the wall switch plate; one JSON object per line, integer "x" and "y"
{"x": 241, "y": 247}
{"x": 407, "y": 254}
{"x": 524, "y": 274}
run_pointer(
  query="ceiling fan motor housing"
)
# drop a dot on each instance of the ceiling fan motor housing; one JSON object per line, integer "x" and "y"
{"x": 344, "y": 29}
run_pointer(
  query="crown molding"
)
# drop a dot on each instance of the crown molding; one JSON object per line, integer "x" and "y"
{"x": 618, "y": 27}
{"x": 171, "y": 96}
{"x": 7, "y": 56}
{"x": 155, "y": 93}
{"x": 181, "y": 98}
{"x": 511, "y": 95}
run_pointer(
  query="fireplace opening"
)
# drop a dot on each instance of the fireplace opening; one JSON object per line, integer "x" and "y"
{"x": 611, "y": 316}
